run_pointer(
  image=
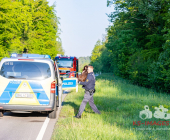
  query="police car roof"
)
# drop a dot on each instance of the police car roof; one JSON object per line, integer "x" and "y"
{"x": 26, "y": 59}
{"x": 15, "y": 55}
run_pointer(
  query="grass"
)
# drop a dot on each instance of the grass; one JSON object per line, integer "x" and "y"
{"x": 120, "y": 103}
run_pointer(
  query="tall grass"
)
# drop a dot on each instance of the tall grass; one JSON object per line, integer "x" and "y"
{"x": 120, "y": 103}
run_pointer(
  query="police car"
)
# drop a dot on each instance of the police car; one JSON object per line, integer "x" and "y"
{"x": 31, "y": 83}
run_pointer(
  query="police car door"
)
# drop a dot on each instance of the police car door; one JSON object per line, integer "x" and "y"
{"x": 59, "y": 84}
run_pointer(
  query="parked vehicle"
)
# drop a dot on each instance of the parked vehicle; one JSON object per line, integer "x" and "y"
{"x": 30, "y": 82}
{"x": 68, "y": 66}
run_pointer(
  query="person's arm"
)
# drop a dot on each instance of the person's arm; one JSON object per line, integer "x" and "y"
{"x": 86, "y": 82}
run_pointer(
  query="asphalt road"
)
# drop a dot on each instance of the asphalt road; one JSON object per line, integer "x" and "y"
{"x": 26, "y": 126}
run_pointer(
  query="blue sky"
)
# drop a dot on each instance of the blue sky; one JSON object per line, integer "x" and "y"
{"x": 82, "y": 23}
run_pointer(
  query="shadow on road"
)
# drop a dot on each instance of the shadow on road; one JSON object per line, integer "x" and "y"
{"x": 34, "y": 114}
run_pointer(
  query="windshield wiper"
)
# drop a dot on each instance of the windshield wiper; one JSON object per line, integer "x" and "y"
{"x": 12, "y": 77}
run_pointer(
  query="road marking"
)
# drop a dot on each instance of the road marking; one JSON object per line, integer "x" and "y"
{"x": 43, "y": 128}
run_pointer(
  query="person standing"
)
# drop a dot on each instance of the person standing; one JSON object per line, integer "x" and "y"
{"x": 89, "y": 86}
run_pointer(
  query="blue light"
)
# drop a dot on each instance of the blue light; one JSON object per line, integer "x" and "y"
{"x": 57, "y": 57}
{"x": 47, "y": 56}
{"x": 63, "y": 57}
{"x": 14, "y": 55}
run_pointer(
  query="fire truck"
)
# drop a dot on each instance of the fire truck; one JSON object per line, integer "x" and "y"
{"x": 68, "y": 66}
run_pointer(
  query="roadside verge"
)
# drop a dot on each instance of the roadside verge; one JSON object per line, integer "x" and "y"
{"x": 120, "y": 103}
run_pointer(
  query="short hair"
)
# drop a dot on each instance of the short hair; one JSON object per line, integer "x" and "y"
{"x": 91, "y": 67}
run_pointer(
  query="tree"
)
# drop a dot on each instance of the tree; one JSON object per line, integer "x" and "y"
{"x": 100, "y": 58}
{"x": 28, "y": 26}
{"x": 137, "y": 43}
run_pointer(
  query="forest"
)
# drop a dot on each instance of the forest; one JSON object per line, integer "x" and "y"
{"x": 29, "y": 26}
{"x": 137, "y": 44}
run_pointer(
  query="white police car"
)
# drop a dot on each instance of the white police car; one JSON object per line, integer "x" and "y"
{"x": 30, "y": 83}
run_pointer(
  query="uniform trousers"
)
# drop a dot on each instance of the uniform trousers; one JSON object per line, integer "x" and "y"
{"x": 88, "y": 98}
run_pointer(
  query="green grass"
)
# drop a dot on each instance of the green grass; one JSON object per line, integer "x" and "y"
{"x": 120, "y": 103}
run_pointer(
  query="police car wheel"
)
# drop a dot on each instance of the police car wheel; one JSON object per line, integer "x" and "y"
{"x": 1, "y": 114}
{"x": 52, "y": 115}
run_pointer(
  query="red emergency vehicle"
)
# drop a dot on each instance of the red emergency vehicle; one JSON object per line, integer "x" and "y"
{"x": 68, "y": 66}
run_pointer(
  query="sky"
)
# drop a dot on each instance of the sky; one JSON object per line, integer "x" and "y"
{"x": 82, "y": 23}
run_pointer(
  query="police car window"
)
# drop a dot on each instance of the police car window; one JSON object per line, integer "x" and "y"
{"x": 25, "y": 70}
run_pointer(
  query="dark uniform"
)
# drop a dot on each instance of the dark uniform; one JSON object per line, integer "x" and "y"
{"x": 89, "y": 86}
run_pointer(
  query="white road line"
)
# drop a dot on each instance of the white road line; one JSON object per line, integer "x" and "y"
{"x": 43, "y": 128}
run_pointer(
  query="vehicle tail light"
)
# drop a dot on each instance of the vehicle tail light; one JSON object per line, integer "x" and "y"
{"x": 53, "y": 87}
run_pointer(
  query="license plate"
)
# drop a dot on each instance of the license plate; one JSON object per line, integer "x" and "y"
{"x": 24, "y": 95}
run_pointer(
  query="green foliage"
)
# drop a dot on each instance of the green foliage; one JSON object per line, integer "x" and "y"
{"x": 100, "y": 58}
{"x": 28, "y": 26}
{"x": 83, "y": 61}
{"x": 138, "y": 43}
{"x": 95, "y": 58}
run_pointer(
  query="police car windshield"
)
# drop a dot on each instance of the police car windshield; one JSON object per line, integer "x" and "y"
{"x": 25, "y": 70}
{"x": 65, "y": 63}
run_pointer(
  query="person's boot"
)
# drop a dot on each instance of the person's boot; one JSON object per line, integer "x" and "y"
{"x": 78, "y": 117}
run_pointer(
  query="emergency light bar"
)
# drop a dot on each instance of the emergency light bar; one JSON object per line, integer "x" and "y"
{"x": 63, "y": 57}
{"x": 15, "y": 55}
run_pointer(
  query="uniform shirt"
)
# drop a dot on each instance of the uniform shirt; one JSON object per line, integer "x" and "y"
{"x": 89, "y": 84}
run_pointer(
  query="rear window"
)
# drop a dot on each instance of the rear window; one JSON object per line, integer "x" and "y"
{"x": 25, "y": 70}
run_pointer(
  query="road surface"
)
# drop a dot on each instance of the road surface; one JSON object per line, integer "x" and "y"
{"x": 27, "y": 126}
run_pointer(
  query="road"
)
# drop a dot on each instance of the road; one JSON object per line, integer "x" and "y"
{"x": 27, "y": 126}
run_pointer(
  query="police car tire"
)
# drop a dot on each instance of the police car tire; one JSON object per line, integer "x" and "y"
{"x": 52, "y": 115}
{"x": 1, "y": 114}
